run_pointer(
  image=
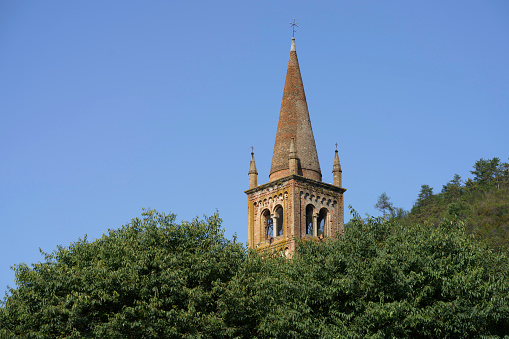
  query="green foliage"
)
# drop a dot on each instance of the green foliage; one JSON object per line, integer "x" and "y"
{"x": 425, "y": 193}
{"x": 383, "y": 203}
{"x": 152, "y": 278}
{"x": 487, "y": 171}
{"x": 453, "y": 187}
{"x": 380, "y": 280}
{"x": 398, "y": 213}
{"x": 424, "y": 199}
{"x": 482, "y": 202}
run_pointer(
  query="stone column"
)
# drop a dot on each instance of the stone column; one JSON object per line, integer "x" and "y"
{"x": 273, "y": 218}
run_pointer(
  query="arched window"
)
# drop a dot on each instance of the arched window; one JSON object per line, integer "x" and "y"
{"x": 309, "y": 219}
{"x": 321, "y": 222}
{"x": 267, "y": 224}
{"x": 279, "y": 220}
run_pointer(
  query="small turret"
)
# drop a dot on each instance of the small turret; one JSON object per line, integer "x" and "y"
{"x": 336, "y": 171}
{"x": 253, "y": 174}
{"x": 292, "y": 158}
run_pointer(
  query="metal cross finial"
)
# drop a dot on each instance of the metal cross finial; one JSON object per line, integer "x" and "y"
{"x": 293, "y": 25}
{"x": 252, "y": 149}
{"x": 336, "y": 146}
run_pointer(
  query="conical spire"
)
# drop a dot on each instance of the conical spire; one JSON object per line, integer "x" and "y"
{"x": 336, "y": 171}
{"x": 253, "y": 174}
{"x": 252, "y": 165}
{"x": 336, "y": 167}
{"x": 294, "y": 123}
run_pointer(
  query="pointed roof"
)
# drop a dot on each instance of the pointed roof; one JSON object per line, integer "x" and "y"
{"x": 252, "y": 165}
{"x": 336, "y": 167}
{"x": 294, "y": 122}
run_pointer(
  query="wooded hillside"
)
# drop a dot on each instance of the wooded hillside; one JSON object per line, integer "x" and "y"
{"x": 481, "y": 202}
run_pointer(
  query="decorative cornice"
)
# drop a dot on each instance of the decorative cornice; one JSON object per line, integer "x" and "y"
{"x": 297, "y": 178}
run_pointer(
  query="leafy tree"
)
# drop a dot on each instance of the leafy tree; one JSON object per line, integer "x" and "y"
{"x": 504, "y": 169}
{"x": 487, "y": 172}
{"x": 422, "y": 206}
{"x": 456, "y": 180}
{"x": 501, "y": 174}
{"x": 379, "y": 280}
{"x": 453, "y": 187}
{"x": 425, "y": 193}
{"x": 469, "y": 183}
{"x": 383, "y": 204}
{"x": 398, "y": 213}
{"x": 152, "y": 278}
{"x": 156, "y": 278}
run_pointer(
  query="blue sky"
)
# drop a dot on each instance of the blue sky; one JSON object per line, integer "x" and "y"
{"x": 109, "y": 107}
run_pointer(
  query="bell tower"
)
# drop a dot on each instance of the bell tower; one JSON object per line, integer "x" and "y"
{"x": 295, "y": 203}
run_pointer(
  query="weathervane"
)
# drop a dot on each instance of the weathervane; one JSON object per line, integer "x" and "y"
{"x": 293, "y": 25}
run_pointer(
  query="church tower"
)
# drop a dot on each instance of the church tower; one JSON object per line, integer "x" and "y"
{"x": 295, "y": 203}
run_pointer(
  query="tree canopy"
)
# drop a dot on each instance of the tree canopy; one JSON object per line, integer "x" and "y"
{"x": 151, "y": 278}
{"x": 155, "y": 278}
{"x": 380, "y": 280}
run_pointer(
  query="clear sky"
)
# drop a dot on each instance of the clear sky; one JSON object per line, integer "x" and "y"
{"x": 108, "y": 107}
